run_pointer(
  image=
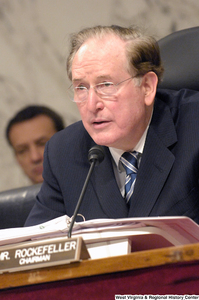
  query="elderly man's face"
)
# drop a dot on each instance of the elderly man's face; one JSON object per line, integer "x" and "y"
{"x": 28, "y": 139}
{"x": 120, "y": 120}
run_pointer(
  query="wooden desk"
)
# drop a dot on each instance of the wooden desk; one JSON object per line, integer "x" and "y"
{"x": 122, "y": 273}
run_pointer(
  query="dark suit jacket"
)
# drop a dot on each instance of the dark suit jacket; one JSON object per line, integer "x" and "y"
{"x": 167, "y": 179}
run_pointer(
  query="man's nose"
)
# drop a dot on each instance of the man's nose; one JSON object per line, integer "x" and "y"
{"x": 94, "y": 102}
{"x": 36, "y": 153}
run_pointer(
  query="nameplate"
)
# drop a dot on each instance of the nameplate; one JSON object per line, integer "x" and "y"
{"x": 42, "y": 253}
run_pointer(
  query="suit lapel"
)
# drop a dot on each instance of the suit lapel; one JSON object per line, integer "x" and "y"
{"x": 102, "y": 180}
{"x": 156, "y": 163}
{"x": 107, "y": 189}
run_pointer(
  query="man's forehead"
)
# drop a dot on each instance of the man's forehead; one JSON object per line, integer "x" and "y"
{"x": 98, "y": 54}
{"x": 108, "y": 41}
{"x": 32, "y": 123}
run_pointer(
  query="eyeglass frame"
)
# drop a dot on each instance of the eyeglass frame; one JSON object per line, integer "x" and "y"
{"x": 103, "y": 96}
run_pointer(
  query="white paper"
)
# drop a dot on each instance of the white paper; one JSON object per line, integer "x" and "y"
{"x": 182, "y": 229}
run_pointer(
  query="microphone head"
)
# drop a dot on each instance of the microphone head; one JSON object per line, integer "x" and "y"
{"x": 96, "y": 154}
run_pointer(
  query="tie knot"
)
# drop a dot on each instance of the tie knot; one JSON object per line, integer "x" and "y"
{"x": 129, "y": 161}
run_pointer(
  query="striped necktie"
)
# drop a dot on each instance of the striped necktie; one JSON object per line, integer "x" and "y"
{"x": 129, "y": 161}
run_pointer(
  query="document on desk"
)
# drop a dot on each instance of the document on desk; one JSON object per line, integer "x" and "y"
{"x": 177, "y": 230}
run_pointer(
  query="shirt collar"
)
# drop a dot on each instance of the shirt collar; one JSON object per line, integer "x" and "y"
{"x": 116, "y": 153}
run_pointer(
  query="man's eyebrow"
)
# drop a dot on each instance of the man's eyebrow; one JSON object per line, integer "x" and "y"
{"x": 20, "y": 145}
{"x": 77, "y": 79}
{"x": 104, "y": 77}
{"x": 98, "y": 77}
{"x": 41, "y": 139}
{"x": 25, "y": 144}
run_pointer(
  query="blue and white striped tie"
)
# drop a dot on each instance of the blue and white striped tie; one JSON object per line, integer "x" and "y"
{"x": 129, "y": 161}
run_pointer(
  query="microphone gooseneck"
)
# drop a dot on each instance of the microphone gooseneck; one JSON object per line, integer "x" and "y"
{"x": 95, "y": 157}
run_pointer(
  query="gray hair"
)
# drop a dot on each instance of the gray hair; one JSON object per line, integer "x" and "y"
{"x": 142, "y": 51}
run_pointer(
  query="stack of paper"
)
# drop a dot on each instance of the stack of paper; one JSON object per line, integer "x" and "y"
{"x": 109, "y": 237}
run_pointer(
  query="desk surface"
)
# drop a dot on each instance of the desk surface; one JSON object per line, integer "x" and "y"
{"x": 132, "y": 261}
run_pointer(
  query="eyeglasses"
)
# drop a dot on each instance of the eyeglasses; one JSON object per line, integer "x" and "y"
{"x": 105, "y": 90}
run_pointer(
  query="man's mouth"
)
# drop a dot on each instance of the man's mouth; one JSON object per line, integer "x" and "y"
{"x": 38, "y": 169}
{"x": 100, "y": 123}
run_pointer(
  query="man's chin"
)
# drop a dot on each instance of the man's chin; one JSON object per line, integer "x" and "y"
{"x": 108, "y": 142}
{"x": 37, "y": 180}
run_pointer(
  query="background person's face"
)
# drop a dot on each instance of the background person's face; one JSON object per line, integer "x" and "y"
{"x": 28, "y": 140}
{"x": 119, "y": 123}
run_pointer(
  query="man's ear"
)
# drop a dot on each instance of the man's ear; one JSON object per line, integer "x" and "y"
{"x": 149, "y": 83}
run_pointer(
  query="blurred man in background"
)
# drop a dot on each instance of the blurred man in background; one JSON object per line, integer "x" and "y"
{"x": 27, "y": 133}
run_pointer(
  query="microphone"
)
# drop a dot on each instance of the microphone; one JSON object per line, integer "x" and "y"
{"x": 95, "y": 157}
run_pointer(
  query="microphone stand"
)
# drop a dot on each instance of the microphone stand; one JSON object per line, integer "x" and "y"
{"x": 81, "y": 197}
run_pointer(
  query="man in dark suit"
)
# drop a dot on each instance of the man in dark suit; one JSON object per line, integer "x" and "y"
{"x": 115, "y": 72}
